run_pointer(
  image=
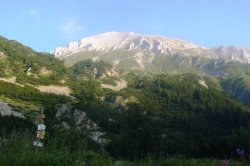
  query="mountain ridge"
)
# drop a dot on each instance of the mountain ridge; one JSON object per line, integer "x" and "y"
{"x": 154, "y": 44}
{"x": 126, "y": 40}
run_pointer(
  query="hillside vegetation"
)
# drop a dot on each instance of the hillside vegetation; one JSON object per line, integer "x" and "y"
{"x": 165, "y": 119}
{"x": 29, "y": 66}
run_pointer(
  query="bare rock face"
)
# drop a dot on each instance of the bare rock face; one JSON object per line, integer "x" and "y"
{"x": 128, "y": 51}
{"x": 6, "y": 110}
{"x": 62, "y": 111}
{"x": 71, "y": 113}
{"x": 66, "y": 116}
{"x": 124, "y": 41}
{"x": 233, "y": 53}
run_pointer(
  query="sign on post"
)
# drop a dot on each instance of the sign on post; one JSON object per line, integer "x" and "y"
{"x": 40, "y": 133}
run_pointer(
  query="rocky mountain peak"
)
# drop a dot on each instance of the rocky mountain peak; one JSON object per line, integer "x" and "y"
{"x": 124, "y": 41}
{"x": 148, "y": 47}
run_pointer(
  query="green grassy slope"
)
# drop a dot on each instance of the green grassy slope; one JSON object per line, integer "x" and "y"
{"x": 29, "y": 66}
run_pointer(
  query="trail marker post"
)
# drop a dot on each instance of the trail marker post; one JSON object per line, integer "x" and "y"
{"x": 40, "y": 133}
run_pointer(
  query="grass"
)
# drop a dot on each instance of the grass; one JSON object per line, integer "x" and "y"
{"x": 28, "y": 108}
{"x": 21, "y": 104}
{"x": 17, "y": 150}
{"x": 177, "y": 161}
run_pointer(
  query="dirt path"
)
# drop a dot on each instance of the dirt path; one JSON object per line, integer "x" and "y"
{"x": 11, "y": 80}
{"x": 120, "y": 85}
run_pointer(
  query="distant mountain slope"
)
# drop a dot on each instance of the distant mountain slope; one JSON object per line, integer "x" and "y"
{"x": 155, "y": 54}
{"x": 162, "y": 55}
{"x": 233, "y": 53}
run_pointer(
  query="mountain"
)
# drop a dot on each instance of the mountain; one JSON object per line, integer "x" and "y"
{"x": 128, "y": 50}
{"x": 154, "y": 54}
{"x": 127, "y": 115}
{"x": 162, "y": 55}
{"x": 31, "y": 81}
{"x": 111, "y": 41}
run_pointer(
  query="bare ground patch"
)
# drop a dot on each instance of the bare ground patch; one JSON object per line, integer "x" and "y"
{"x": 59, "y": 90}
{"x": 120, "y": 85}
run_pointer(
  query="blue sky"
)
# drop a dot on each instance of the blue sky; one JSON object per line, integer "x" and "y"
{"x": 46, "y": 24}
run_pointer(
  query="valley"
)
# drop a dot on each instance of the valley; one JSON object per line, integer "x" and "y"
{"x": 124, "y": 97}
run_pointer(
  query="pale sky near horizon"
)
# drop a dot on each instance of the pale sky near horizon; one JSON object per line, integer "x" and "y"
{"x": 46, "y": 24}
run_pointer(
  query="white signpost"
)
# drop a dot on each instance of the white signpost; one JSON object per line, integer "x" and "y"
{"x": 40, "y": 133}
